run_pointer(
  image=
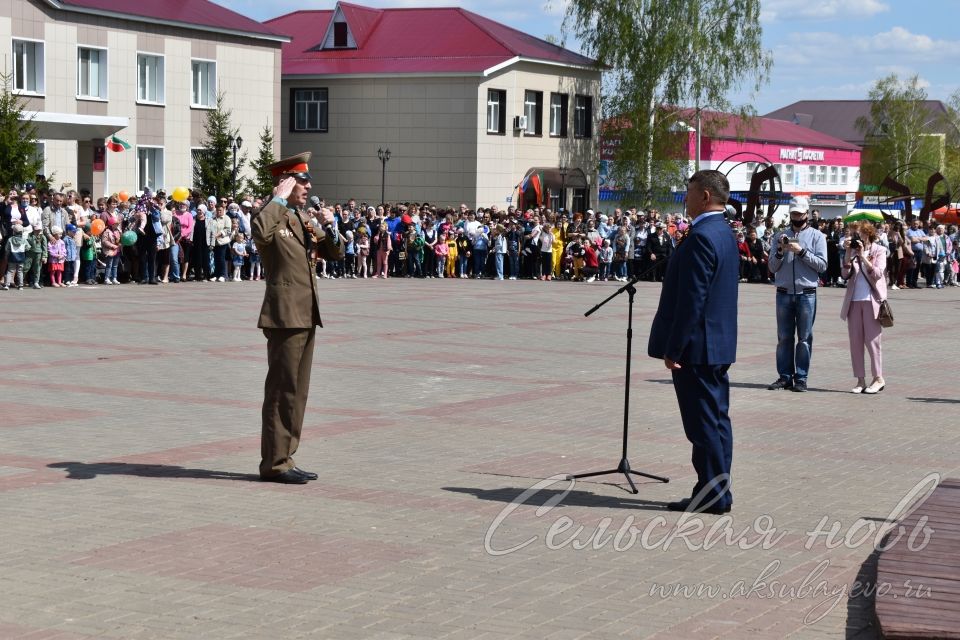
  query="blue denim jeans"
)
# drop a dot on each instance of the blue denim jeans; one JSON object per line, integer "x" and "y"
{"x": 499, "y": 264}
{"x": 110, "y": 273}
{"x": 795, "y": 317}
{"x": 175, "y": 262}
{"x": 514, "y": 265}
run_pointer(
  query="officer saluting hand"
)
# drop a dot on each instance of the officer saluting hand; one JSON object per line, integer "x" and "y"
{"x": 290, "y": 313}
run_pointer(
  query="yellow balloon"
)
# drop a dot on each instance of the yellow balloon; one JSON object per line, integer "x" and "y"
{"x": 181, "y": 194}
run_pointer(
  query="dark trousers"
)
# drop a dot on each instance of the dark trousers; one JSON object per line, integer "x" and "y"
{"x": 201, "y": 262}
{"x": 703, "y": 393}
{"x": 148, "y": 260}
{"x": 220, "y": 260}
{"x": 289, "y": 362}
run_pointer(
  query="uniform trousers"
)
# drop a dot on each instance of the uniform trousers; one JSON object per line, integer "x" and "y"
{"x": 289, "y": 362}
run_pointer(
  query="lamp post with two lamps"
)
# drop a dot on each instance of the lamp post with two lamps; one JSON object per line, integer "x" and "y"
{"x": 384, "y": 155}
{"x": 235, "y": 144}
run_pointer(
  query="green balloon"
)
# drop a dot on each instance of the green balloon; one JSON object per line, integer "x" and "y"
{"x": 129, "y": 238}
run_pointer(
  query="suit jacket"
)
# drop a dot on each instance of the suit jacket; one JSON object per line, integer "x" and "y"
{"x": 290, "y": 300}
{"x": 876, "y": 275}
{"x": 696, "y": 321}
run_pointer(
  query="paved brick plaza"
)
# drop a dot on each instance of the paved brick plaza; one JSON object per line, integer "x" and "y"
{"x": 130, "y": 425}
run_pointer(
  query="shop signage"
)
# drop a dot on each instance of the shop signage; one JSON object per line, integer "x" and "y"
{"x": 800, "y": 154}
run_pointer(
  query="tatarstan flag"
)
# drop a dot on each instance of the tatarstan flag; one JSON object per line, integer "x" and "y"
{"x": 116, "y": 144}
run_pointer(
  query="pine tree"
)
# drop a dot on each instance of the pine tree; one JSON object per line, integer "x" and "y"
{"x": 262, "y": 182}
{"x": 213, "y": 172}
{"x": 18, "y": 137}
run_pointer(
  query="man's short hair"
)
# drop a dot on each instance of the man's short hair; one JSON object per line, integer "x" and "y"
{"x": 714, "y": 182}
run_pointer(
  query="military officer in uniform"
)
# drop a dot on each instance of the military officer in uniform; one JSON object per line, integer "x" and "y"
{"x": 290, "y": 312}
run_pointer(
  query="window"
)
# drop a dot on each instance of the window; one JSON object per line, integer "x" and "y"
{"x": 811, "y": 175}
{"x": 583, "y": 117}
{"x": 496, "y": 111}
{"x": 309, "y": 110}
{"x": 822, "y": 175}
{"x": 558, "y": 115}
{"x": 92, "y": 73}
{"x": 40, "y": 153}
{"x": 533, "y": 109}
{"x": 28, "y": 66}
{"x": 751, "y": 167}
{"x": 204, "y": 92}
{"x": 339, "y": 34}
{"x": 844, "y": 176}
{"x": 788, "y": 174}
{"x": 149, "y": 168}
{"x": 779, "y": 169}
{"x": 834, "y": 174}
{"x": 149, "y": 78}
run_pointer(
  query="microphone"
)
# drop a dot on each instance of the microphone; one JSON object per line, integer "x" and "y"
{"x": 328, "y": 228}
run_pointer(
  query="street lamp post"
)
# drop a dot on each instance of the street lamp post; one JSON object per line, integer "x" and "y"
{"x": 235, "y": 144}
{"x": 561, "y": 204}
{"x": 384, "y": 155}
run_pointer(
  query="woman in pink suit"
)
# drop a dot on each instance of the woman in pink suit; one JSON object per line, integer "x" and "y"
{"x": 864, "y": 264}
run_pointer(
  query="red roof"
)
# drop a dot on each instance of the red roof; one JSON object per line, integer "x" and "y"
{"x": 428, "y": 40}
{"x": 191, "y": 13}
{"x": 772, "y": 130}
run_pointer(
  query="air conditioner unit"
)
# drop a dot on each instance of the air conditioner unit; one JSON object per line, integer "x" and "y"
{"x": 520, "y": 123}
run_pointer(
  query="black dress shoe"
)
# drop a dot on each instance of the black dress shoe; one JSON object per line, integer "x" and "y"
{"x": 687, "y": 505}
{"x": 287, "y": 477}
{"x": 781, "y": 383}
{"x": 309, "y": 475}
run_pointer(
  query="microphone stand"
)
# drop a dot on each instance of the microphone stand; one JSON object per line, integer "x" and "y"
{"x": 624, "y": 466}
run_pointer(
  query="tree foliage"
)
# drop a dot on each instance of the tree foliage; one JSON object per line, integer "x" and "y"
{"x": 262, "y": 182}
{"x": 899, "y": 136}
{"x": 952, "y": 130}
{"x": 662, "y": 55}
{"x": 19, "y": 163}
{"x": 213, "y": 171}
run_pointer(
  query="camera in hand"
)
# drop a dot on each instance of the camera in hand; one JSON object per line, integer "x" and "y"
{"x": 784, "y": 240}
{"x": 855, "y": 243}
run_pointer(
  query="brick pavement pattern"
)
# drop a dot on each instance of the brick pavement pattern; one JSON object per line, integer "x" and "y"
{"x": 130, "y": 444}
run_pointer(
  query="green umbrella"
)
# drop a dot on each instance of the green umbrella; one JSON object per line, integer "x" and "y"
{"x": 861, "y": 215}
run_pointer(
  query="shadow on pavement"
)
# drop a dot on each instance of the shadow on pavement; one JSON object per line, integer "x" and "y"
{"x": 935, "y": 400}
{"x": 753, "y": 385}
{"x": 88, "y": 471}
{"x": 862, "y": 621}
{"x": 571, "y": 499}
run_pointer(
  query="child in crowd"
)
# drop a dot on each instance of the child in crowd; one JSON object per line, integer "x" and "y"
{"x": 363, "y": 251}
{"x": 606, "y": 259}
{"x": 110, "y": 245}
{"x": 57, "y": 251}
{"x": 349, "y": 255}
{"x": 451, "y": 255}
{"x": 70, "y": 259}
{"x": 441, "y": 250}
{"x": 254, "y": 259}
{"x": 16, "y": 255}
{"x": 239, "y": 250}
{"x": 36, "y": 256}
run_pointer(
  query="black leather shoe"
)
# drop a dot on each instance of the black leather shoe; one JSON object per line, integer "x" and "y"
{"x": 799, "y": 386}
{"x": 687, "y": 505}
{"x": 781, "y": 383}
{"x": 287, "y": 477}
{"x": 309, "y": 475}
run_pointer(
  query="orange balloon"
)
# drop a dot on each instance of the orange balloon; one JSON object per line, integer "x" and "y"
{"x": 124, "y": 196}
{"x": 97, "y": 227}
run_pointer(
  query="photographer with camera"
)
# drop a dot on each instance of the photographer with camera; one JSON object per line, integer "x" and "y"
{"x": 864, "y": 266}
{"x": 800, "y": 255}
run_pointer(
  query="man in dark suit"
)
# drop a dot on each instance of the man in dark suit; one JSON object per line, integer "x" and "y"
{"x": 695, "y": 333}
{"x": 290, "y": 313}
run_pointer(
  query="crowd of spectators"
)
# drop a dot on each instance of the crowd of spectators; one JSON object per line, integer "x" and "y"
{"x": 55, "y": 239}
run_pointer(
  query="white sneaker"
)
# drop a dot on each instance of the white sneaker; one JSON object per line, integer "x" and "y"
{"x": 591, "y": 278}
{"x": 221, "y": 279}
{"x": 213, "y": 279}
{"x": 895, "y": 287}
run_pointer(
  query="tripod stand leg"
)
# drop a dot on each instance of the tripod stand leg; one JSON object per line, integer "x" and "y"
{"x": 633, "y": 487}
{"x": 592, "y": 474}
{"x": 649, "y": 475}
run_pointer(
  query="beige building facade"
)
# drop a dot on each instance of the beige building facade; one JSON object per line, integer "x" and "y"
{"x": 470, "y": 136}
{"x": 86, "y": 73}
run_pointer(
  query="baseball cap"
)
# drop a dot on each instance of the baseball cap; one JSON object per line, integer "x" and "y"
{"x": 799, "y": 204}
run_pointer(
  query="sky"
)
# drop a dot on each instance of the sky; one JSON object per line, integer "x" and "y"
{"x": 822, "y": 49}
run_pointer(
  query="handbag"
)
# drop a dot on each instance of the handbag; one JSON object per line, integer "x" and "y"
{"x": 885, "y": 313}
